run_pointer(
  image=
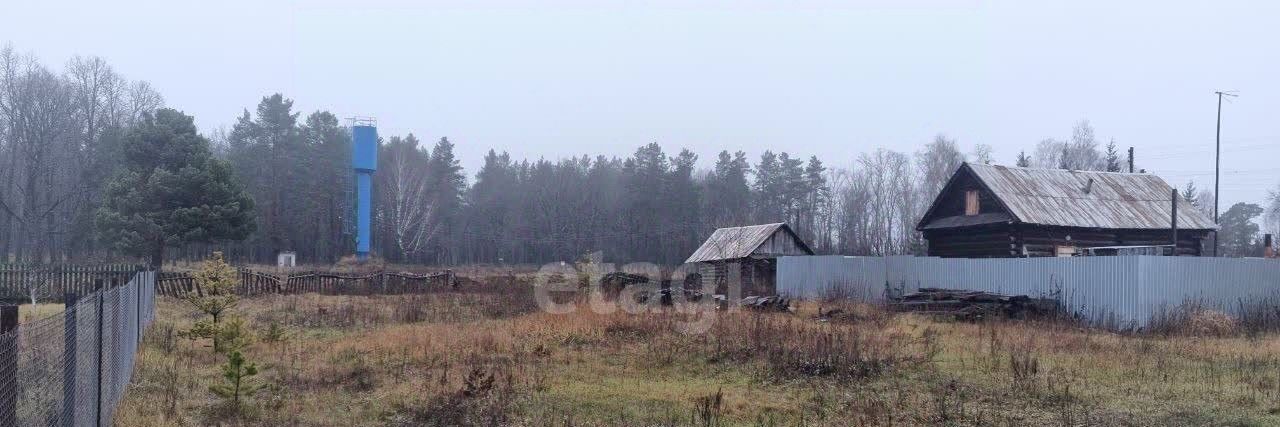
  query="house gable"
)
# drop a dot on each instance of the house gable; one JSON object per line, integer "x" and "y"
{"x": 782, "y": 242}
{"x": 951, "y": 206}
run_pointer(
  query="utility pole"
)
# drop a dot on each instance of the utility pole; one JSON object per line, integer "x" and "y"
{"x": 1217, "y": 165}
{"x": 1174, "y": 224}
{"x": 1130, "y": 159}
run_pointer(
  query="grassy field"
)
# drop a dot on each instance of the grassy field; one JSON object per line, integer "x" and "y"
{"x": 489, "y": 357}
{"x": 29, "y": 313}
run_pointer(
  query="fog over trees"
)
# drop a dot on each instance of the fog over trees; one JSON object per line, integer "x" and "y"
{"x": 62, "y": 136}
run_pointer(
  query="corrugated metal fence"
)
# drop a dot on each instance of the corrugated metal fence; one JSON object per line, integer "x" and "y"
{"x": 1115, "y": 290}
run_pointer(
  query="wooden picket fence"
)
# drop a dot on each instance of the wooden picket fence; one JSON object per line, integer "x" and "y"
{"x": 53, "y": 281}
{"x": 252, "y": 283}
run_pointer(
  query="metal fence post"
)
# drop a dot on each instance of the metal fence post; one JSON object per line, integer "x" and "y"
{"x": 9, "y": 365}
{"x": 69, "y": 359}
{"x": 137, "y": 309}
{"x": 101, "y": 292}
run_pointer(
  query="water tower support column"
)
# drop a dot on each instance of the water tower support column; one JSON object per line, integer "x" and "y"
{"x": 364, "y": 159}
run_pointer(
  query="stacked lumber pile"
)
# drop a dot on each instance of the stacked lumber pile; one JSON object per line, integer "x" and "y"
{"x": 767, "y": 303}
{"x": 973, "y": 305}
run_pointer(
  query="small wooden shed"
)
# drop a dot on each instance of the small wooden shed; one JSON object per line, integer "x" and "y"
{"x": 753, "y": 251}
{"x": 988, "y": 211}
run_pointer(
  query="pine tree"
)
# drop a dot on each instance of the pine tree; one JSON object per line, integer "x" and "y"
{"x": 170, "y": 191}
{"x": 644, "y": 174}
{"x": 681, "y": 227}
{"x": 491, "y": 197}
{"x": 768, "y": 189}
{"x": 269, "y": 155}
{"x": 328, "y": 146}
{"x": 792, "y": 187}
{"x": 728, "y": 192}
{"x": 817, "y": 192}
{"x": 447, "y": 184}
{"x": 1024, "y": 161}
{"x": 216, "y": 282}
{"x": 1189, "y": 193}
{"x": 1112, "y": 157}
{"x": 1238, "y": 233}
{"x": 238, "y": 374}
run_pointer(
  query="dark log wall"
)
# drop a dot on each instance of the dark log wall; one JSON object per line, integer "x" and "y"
{"x": 1004, "y": 240}
{"x": 979, "y": 241}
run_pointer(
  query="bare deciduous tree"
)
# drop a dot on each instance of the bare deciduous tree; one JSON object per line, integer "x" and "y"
{"x": 937, "y": 161}
{"x": 982, "y": 153}
{"x": 1048, "y": 154}
{"x": 55, "y": 154}
{"x": 411, "y": 211}
{"x": 1080, "y": 152}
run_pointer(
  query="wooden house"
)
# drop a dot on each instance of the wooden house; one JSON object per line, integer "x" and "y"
{"x": 987, "y": 211}
{"x": 747, "y": 256}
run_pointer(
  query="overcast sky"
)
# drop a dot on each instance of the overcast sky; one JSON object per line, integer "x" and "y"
{"x": 831, "y": 79}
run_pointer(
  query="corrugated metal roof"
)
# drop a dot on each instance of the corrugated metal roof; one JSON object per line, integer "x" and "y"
{"x": 1114, "y": 200}
{"x": 739, "y": 242}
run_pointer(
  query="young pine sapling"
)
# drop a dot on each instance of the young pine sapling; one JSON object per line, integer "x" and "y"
{"x": 216, "y": 295}
{"x": 238, "y": 373}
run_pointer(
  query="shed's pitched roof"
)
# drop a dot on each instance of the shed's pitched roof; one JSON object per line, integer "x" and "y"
{"x": 741, "y": 242}
{"x": 1057, "y": 197}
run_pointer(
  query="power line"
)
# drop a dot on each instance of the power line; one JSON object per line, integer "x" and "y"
{"x": 1210, "y": 171}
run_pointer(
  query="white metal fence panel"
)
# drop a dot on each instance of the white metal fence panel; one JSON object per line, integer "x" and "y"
{"x": 1118, "y": 291}
{"x": 1207, "y": 280}
{"x": 819, "y": 276}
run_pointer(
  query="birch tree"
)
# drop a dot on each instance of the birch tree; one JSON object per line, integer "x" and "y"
{"x": 409, "y": 211}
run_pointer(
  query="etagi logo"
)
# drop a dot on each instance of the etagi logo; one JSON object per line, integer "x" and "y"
{"x": 560, "y": 288}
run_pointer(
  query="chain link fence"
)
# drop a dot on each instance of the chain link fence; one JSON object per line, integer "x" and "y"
{"x": 72, "y": 368}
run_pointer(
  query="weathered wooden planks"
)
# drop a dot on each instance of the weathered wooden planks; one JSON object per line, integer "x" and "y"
{"x": 254, "y": 283}
{"x": 52, "y": 281}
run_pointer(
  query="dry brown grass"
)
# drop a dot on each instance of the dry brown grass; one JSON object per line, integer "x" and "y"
{"x": 484, "y": 356}
{"x": 28, "y": 313}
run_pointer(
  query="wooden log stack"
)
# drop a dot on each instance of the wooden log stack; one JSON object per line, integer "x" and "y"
{"x": 974, "y": 305}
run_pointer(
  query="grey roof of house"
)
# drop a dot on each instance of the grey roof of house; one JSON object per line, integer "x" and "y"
{"x": 739, "y": 242}
{"x": 967, "y": 220}
{"x": 1066, "y": 198}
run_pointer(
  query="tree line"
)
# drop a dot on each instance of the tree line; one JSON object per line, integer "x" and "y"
{"x": 60, "y": 140}
{"x": 93, "y": 164}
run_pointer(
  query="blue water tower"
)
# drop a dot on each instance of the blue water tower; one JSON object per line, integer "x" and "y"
{"x": 364, "y": 160}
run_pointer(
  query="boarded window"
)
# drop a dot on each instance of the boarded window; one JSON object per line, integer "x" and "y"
{"x": 971, "y": 202}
